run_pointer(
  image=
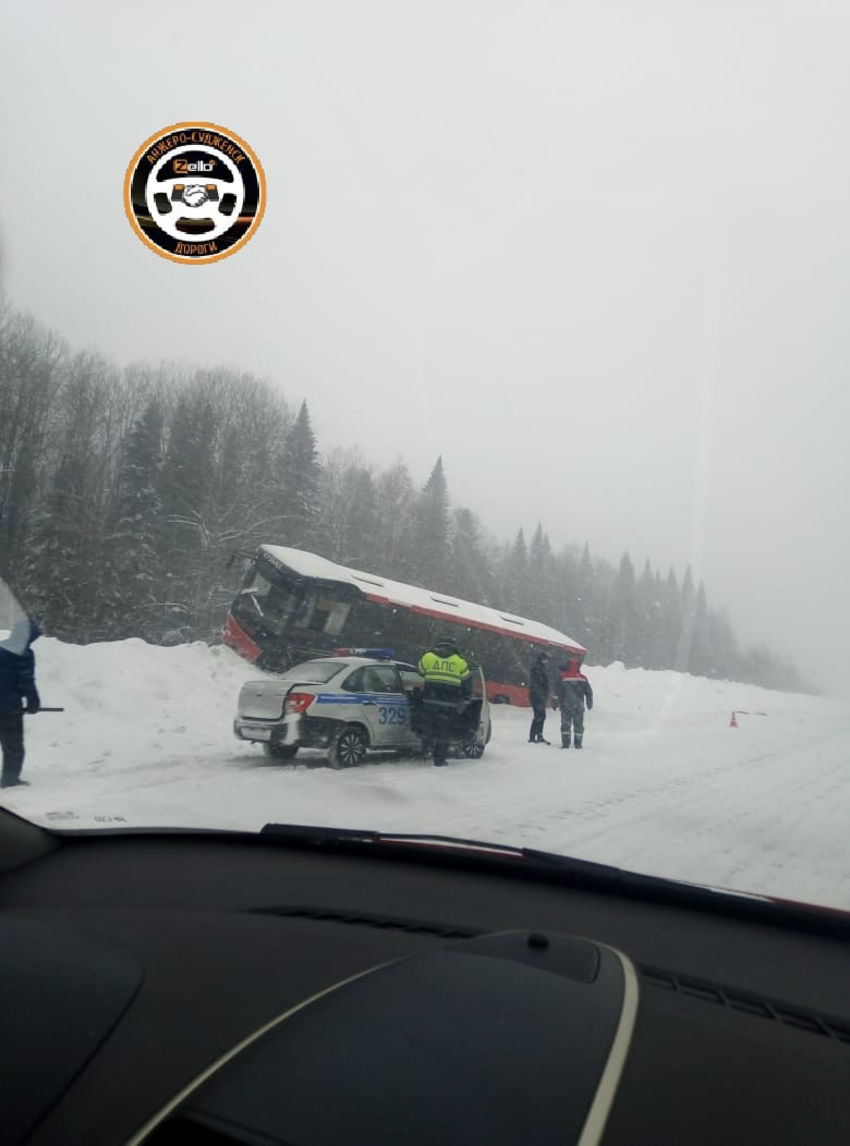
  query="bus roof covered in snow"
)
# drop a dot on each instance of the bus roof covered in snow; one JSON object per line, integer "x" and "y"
{"x": 311, "y": 566}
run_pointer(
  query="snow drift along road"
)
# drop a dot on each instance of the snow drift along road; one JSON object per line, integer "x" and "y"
{"x": 664, "y": 785}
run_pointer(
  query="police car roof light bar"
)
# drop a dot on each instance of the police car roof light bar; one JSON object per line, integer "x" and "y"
{"x": 376, "y": 654}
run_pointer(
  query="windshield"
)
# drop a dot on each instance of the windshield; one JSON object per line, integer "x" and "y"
{"x": 268, "y": 599}
{"x": 499, "y": 347}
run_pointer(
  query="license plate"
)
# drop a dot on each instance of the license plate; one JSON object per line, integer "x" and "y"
{"x": 253, "y": 733}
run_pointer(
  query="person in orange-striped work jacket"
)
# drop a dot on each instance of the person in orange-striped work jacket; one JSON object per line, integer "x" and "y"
{"x": 574, "y": 692}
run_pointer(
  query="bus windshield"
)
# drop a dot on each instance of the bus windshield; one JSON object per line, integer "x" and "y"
{"x": 268, "y": 598}
{"x": 273, "y": 604}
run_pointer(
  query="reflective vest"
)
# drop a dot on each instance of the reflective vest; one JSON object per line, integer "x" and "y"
{"x": 444, "y": 670}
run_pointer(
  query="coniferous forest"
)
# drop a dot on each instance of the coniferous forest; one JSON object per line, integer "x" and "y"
{"x": 126, "y": 495}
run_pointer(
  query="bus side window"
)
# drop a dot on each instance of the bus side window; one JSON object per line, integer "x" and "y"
{"x": 337, "y": 618}
{"x": 304, "y": 615}
{"x": 322, "y": 614}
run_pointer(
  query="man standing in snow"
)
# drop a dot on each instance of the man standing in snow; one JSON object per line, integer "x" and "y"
{"x": 17, "y": 688}
{"x": 444, "y": 696}
{"x": 573, "y": 691}
{"x": 538, "y": 694}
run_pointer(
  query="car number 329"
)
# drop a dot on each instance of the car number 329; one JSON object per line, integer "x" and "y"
{"x": 392, "y": 714}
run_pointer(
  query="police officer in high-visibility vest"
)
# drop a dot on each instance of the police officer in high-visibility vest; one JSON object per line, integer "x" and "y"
{"x": 445, "y": 694}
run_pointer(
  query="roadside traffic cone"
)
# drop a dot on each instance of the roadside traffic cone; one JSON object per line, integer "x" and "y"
{"x": 733, "y": 723}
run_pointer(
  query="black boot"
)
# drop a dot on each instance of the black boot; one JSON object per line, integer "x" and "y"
{"x": 578, "y": 742}
{"x": 543, "y": 740}
{"x": 565, "y": 741}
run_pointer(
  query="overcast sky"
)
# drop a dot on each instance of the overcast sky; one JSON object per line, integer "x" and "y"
{"x": 597, "y": 254}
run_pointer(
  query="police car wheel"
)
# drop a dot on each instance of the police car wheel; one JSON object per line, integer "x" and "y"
{"x": 349, "y": 747}
{"x": 473, "y": 751}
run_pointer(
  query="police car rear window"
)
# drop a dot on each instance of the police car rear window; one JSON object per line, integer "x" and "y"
{"x": 314, "y": 672}
{"x": 356, "y": 682}
{"x": 382, "y": 678}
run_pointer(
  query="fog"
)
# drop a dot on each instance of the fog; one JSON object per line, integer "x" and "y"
{"x": 596, "y": 256}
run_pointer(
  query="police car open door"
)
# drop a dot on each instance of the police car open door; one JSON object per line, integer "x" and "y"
{"x": 478, "y": 717}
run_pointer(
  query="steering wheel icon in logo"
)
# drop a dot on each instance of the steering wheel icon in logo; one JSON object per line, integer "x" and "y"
{"x": 194, "y": 192}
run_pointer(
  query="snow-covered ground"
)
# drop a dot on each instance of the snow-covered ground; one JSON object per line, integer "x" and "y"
{"x": 663, "y": 786}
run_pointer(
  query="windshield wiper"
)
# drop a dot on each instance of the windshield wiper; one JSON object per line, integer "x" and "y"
{"x": 435, "y": 844}
{"x": 310, "y": 834}
{"x": 317, "y": 835}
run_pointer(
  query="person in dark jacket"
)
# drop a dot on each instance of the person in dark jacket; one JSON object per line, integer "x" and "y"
{"x": 538, "y": 694}
{"x": 446, "y": 692}
{"x": 573, "y": 693}
{"x": 17, "y": 688}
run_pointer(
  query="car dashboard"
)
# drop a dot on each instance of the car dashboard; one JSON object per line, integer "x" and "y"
{"x": 300, "y": 988}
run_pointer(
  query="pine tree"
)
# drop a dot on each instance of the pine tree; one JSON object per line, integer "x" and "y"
{"x": 301, "y": 483}
{"x": 540, "y": 584}
{"x": 584, "y": 599}
{"x": 433, "y": 559}
{"x": 671, "y": 621}
{"x": 624, "y": 609}
{"x": 514, "y": 575}
{"x": 649, "y": 618}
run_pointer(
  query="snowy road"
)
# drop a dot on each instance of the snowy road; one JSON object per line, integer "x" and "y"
{"x": 664, "y": 786}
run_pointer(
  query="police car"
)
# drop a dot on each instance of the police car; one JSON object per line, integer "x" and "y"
{"x": 350, "y": 703}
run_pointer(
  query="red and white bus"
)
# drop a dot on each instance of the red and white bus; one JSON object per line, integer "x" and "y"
{"x": 295, "y": 605}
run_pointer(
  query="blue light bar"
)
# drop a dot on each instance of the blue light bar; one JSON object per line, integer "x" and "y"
{"x": 376, "y": 654}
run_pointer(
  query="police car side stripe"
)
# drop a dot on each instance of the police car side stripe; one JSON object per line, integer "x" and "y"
{"x": 360, "y": 698}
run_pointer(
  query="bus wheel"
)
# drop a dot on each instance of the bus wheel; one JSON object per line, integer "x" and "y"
{"x": 280, "y": 751}
{"x": 473, "y": 751}
{"x": 348, "y": 748}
